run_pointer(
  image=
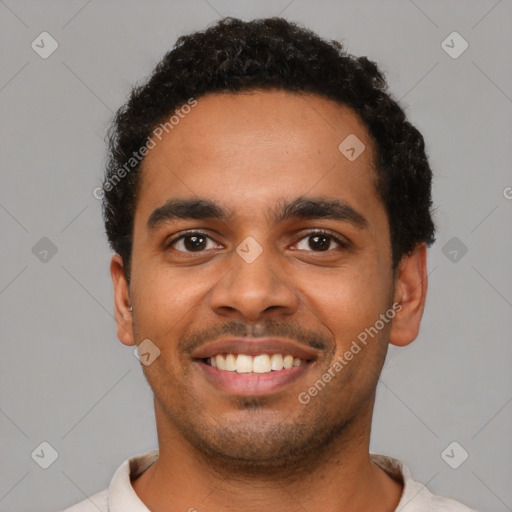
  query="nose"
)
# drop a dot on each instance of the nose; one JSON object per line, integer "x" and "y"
{"x": 252, "y": 289}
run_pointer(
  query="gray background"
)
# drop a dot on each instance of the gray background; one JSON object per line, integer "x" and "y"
{"x": 67, "y": 380}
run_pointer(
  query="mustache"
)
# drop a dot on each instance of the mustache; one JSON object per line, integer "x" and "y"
{"x": 267, "y": 329}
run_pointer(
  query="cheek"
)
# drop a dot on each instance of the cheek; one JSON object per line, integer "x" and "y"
{"x": 346, "y": 301}
{"x": 166, "y": 299}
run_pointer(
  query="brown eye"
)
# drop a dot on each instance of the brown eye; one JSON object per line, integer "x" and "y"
{"x": 194, "y": 243}
{"x": 191, "y": 242}
{"x": 320, "y": 242}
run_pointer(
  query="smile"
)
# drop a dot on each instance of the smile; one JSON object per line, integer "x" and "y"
{"x": 261, "y": 363}
{"x": 253, "y": 366}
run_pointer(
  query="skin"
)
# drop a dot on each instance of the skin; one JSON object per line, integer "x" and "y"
{"x": 218, "y": 451}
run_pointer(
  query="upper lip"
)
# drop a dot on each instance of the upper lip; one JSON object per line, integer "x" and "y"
{"x": 255, "y": 346}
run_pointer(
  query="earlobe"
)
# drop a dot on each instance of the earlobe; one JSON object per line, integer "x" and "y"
{"x": 410, "y": 291}
{"x": 122, "y": 304}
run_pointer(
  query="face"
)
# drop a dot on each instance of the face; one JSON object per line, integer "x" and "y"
{"x": 257, "y": 244}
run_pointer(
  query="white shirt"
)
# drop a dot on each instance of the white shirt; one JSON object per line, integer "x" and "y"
{"x": 120, "y": 496}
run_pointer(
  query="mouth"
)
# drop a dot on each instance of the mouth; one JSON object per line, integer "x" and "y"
{"x": 261, "y": 363}
{"x": 254, "y": 367}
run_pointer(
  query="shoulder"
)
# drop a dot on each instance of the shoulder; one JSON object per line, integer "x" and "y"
{"x": 120, "y": 494}
{"x": 416, "y": 497}
{"x": 420, "y": 499}
{"x": 97, "y": 502}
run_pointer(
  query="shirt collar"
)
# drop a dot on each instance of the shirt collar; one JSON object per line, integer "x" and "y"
{"x": 123, "y": 498}
{"x": 121, "y": 495}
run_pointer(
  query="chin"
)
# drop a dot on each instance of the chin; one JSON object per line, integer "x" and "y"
{"x": 261, "y": 445}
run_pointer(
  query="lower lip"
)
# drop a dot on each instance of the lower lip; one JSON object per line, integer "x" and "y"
{"x": 253, "y": 384}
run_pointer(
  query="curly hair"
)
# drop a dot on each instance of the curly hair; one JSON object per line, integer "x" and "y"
{"x": 272, "y": 54}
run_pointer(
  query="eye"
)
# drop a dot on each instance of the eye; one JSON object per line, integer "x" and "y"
{"x": 191, "y": 241}
{"x": 320, "y": 241}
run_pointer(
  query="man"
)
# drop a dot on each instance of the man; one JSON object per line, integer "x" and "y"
{"x": 270, "y": 210}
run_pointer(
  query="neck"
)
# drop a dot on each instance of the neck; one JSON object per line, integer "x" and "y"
{"x": 342, "y": 477}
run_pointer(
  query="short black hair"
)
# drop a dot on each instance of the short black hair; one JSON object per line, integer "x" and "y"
{"x": 271, "y": 54}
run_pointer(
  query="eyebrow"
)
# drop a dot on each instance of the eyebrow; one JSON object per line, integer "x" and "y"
{"x": 299, "y": 208}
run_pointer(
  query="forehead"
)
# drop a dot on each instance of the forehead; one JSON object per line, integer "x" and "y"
{"x": 258, "y": 147}
{"x": 225, "y": 125}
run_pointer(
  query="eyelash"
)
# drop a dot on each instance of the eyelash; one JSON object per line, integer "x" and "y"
{"x": 323, "y": 232}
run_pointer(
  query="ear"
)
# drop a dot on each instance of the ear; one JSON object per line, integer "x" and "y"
{"x": 410, "y": 291}
{"x": 122, "y": 302}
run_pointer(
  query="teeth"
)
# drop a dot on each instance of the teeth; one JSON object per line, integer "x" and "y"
{"x": 287, "y": 362}
{"x": 221, "y": 362}
{"x": 230, "y": 363}
{"x": 262, "y": 363}
{"x": 243, "y": 363}
{"x": 276, "y": 362}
